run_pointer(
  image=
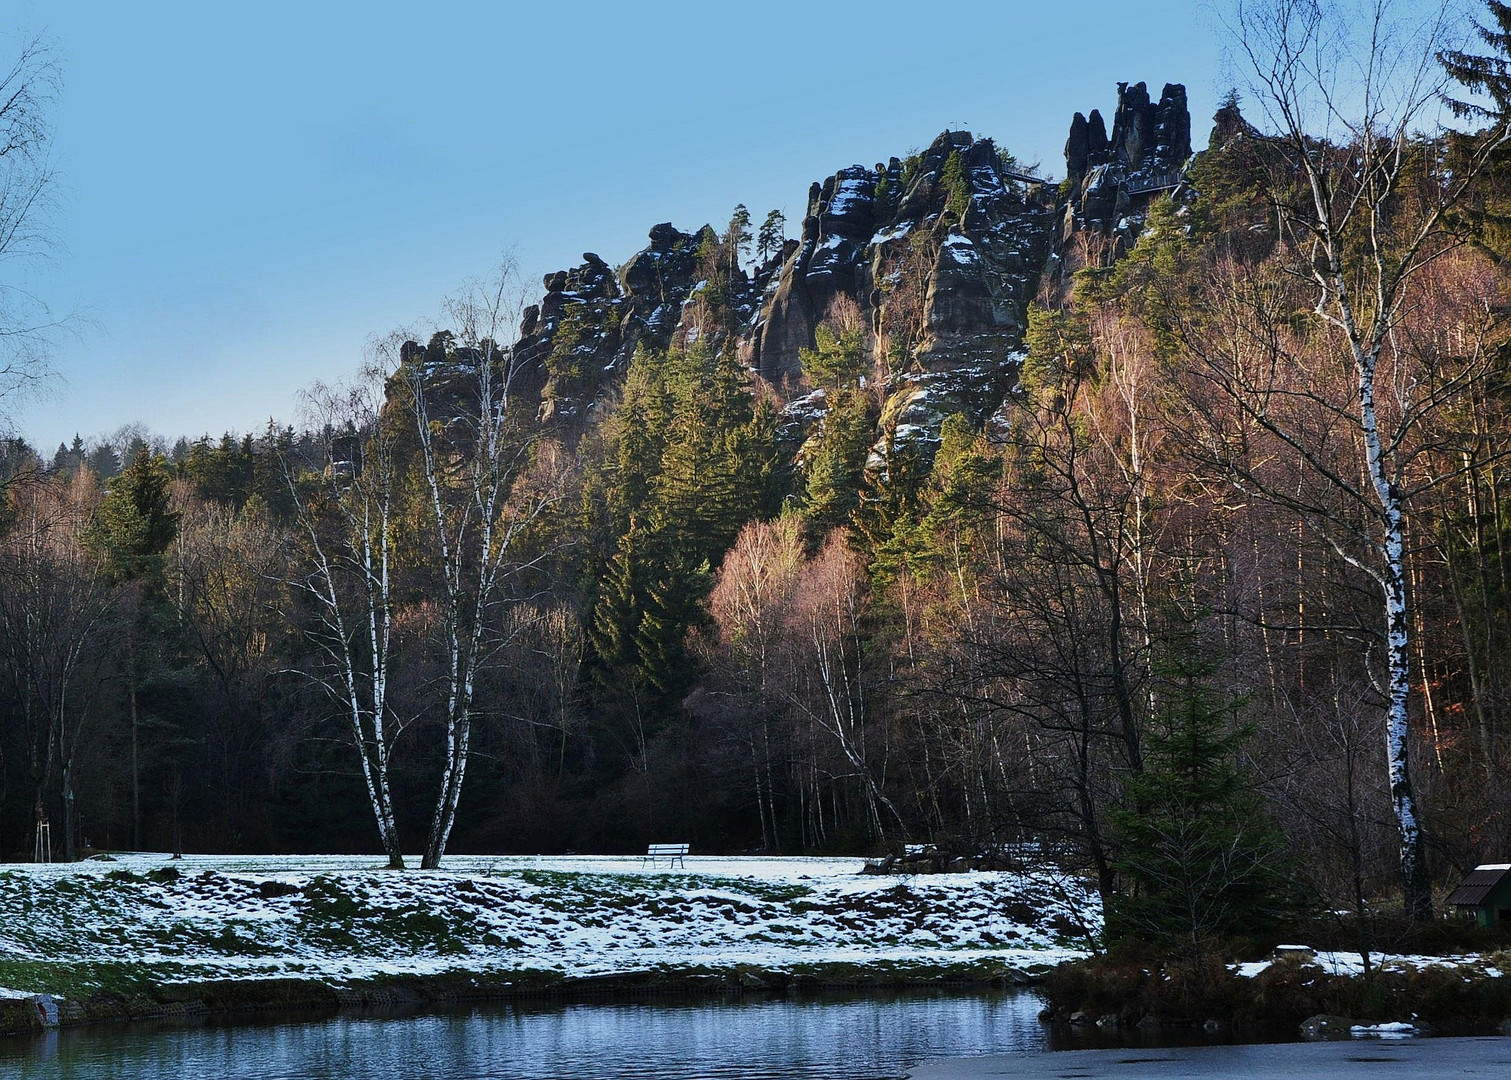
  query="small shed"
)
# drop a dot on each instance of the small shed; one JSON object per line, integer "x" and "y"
{"x": 1485, "y": 895}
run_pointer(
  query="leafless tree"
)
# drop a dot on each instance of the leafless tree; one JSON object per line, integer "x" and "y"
{"x": 224, "y": 582}
{"x": 29, "y": 85}
{"x": 476, "y": 444}
{"x": 1345, "y": 91}
{"x": 57, "y": 630}
{"x": 750, "y": 603}
{"x": 345, "y": 513}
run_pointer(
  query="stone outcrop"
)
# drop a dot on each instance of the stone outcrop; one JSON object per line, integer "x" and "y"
{"x": 939, "y": 254}
{"x": 1112, "y": 185}
{"x": 586, "y": 328}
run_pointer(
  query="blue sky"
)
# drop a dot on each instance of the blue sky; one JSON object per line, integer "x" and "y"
{"x": 251, "y": 192}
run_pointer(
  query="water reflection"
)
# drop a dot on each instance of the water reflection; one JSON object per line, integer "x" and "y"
{"x": 870, "y": 1036}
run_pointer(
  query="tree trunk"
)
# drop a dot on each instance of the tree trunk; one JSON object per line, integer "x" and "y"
{"x": 451, "y": 793}
{"x": 70, "y": 854}
{"x": 136, "y": 777}
{"x": 1416, "y": 889}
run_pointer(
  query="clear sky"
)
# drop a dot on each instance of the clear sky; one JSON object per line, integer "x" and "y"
{"x": 250, "y": 192}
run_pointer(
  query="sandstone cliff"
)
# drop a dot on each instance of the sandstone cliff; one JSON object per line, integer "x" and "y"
{"x": 938, "y": 254}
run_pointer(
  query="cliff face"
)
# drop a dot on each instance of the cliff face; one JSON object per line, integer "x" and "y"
{"x": 938, "y": 255}
{"x": 587, "y": 326}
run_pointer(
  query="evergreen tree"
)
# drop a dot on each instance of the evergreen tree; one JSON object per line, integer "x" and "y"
{"x": 103, "y": 461}
{"x": 134, "y": 528}
{"x": 130, "y": 536}
{"x": 1198, "y": 859}
{"x": 884, "y": 523}
{"x": 833, "y": 471}
{"x": 737, "y": 236}
{"x": 957, "y": 186}
{"x": 1487, "y": 79}
{"x": 1484, "y": 75}
{"x": 838, "y": 359}
{"x": 772, "y": 235}
{"x": 616, "y": 616}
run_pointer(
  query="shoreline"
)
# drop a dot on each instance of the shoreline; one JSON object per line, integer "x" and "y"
{"x": 250, "y": 998}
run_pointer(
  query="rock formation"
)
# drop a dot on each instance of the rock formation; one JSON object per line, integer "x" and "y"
{"x": 591, "y": 319}
{"x": 1111, "y": 185}
{"x": 939, "y": 254}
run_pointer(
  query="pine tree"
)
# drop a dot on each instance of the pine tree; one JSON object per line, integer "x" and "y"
{"x": 884, "y": 523}
{"x": 838, "y": 359}
{"x": 832, "y": 474}
{"x": 1198, "y": 859}
{"x": 1487, "y": 76}
{"x": 130, "y": 536}
{"x": 104, "y": 462}
{"x": 1487, "y": 79}
{"x": 772, "y": 235}
{"x": 616, "y": 614}
{"x": 957, "y": 186}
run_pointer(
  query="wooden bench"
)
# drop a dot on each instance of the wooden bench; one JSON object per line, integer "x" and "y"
{"x": 672, "y": 853}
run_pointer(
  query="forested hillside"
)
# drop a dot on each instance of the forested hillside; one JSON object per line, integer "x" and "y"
{"x": 1163, "y": 505}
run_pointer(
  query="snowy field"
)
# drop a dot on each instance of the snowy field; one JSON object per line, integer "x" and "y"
{"x": 347, "y": 919}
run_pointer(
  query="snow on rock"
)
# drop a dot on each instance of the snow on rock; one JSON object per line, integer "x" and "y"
{"x": 347, "y": 918}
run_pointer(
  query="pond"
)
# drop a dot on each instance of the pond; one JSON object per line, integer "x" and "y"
{"x": 827, "y": 1036}
{"x": 857, "y": 1036}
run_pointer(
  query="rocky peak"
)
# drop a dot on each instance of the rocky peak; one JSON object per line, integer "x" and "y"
{"x": 939, "y": 253}
{"x": 1112, "y": 185}
{"x": 1087, "y": 144}
{"x": 591, "y": 319}
{"x": 1228, "y": 124}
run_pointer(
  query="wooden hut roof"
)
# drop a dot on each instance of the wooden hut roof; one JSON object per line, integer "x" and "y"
{"x": 1480, "y": 883}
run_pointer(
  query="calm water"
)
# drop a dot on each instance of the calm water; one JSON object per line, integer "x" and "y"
{"x": 854, "y": 1037}
{"x": 859, "y": 1037}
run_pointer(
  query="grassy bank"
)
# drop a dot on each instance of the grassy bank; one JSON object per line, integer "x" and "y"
{"x": 144, "y": 936}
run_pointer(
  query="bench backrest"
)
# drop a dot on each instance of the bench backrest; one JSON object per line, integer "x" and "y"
{"x": 666, "y": 849}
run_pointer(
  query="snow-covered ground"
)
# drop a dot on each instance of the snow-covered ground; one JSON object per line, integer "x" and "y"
{"x": 344, "y": 919}
{"x": 1351, "y": 963}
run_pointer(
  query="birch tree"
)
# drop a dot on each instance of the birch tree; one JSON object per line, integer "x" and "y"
{"x": 1345, "y": 91}
{"x": 476, "y": 449}
{"x": 345, "y": 514}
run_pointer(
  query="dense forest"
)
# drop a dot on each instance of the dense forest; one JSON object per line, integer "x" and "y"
{"x": 1156, "y": 512}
